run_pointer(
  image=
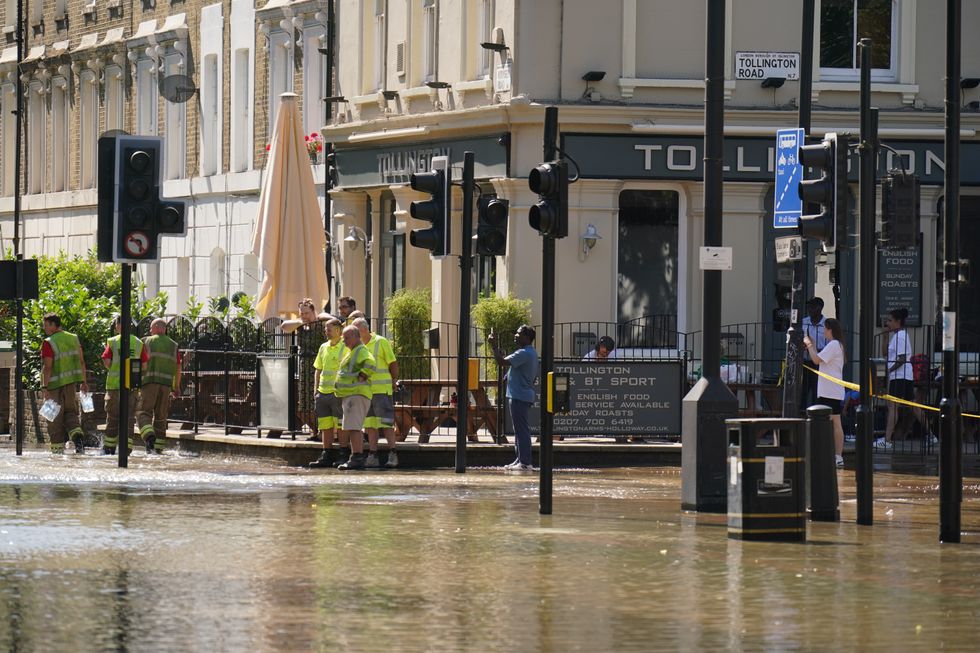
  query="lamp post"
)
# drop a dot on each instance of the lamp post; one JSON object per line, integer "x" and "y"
{"x": 19, "y": 34}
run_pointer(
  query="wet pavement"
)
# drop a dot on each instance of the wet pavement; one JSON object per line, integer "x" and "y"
{"x": 228, "y": 554}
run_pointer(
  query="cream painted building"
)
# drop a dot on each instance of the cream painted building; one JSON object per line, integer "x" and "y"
{"x": 637, "y": 136}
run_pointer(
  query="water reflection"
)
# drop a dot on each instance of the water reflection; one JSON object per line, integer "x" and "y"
{"x": 227, "y": 555}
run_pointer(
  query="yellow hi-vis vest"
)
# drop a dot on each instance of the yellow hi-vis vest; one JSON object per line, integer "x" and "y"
{"x": 67, "y": 365}
{"x": 112, "y": 380}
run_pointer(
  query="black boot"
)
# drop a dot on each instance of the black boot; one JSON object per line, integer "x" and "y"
{"x": 108, "y": 451}
{"x": 326, "y": 459}
{"x": 342, "y": 457}
{"x": 356, "y": 461}
{"x": 79, "y": 441}
{"x": 150, "y": 441}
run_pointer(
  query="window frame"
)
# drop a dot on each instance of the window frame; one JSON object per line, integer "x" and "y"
{"x": 37, "y": 123}
{"x": 430, "y": 45}
{"x": 8, "y": 129}
{"x": 88, "y": 133}
{"x": 60, "y": 132}
{"x": 891, "y": 74}
{"x": 175, "y": 134}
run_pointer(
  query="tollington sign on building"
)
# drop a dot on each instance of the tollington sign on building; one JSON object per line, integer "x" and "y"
{"x": 765, "y": 65}
{"x": 619, "y": 398}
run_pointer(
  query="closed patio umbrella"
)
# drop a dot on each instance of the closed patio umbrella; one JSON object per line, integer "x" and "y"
{"x": 289, "y": 240}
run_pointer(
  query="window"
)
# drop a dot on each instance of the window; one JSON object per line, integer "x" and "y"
{"x": 36, "y": 128}
{"x": 380, "y": 36}
{"x": 313, "y": 81}
{"x": 241, "y": 103}
{"x": 146, "y": 98}
{"x": 8, "y": 129}
{"x": 429, "y": 36}
{"x": 89, "y": 132}
{"x": 845, "y": 22}
{"x": 280, "y": 73}
{"x": 113, "y": 98}
{"x": 209, "y": 115}
{"x": 60, "y": 113}
{"x": 485, "y": 35}
{"x": 647, "y": 276}
{"x": 175, "y": 136}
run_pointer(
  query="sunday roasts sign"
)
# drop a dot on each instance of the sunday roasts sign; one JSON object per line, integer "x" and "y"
{"x": 618, "y": 399}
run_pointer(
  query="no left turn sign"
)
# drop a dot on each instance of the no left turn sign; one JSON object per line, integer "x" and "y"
{"x": 136, "y": 244}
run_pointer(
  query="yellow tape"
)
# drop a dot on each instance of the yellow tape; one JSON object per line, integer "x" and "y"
{"x": 886, "y": 397}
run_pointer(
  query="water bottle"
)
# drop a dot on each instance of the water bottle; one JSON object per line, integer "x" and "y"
{"x": 50, "y": 409}
{"x": 88, "y": 405}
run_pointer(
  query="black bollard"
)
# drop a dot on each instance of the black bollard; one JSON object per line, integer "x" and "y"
{"x": 821, "y": 472}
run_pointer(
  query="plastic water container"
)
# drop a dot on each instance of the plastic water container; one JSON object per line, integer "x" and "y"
{"x": 50, "y": 409}
{"x": 85, "y": 399}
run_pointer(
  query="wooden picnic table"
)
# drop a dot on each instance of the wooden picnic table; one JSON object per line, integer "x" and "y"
{"x": 760, "y": 399}
{"x": 421, "y": 407}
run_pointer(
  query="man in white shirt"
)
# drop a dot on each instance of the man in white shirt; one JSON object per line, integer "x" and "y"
{"x": 813, "y": 328}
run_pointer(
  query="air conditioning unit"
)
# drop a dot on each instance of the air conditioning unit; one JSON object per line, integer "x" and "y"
{"x": 400, "y": 59}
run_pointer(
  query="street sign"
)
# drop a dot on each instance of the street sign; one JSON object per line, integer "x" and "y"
{"x": 136, "y": 243}
{"x": 788, "y": 206}
{"x": 715, "y": 258}
{"x": 789, "y": 248}
{"x": 764, "y": 65}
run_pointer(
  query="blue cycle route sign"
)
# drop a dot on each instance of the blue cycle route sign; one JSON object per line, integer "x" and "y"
{"x": 788, "y": 206}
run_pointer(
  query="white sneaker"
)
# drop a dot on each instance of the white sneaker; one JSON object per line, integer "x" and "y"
{"x": 513, "y": 465}
{"x": 521, "y": 468}
{"x": 882, "y": 443}
{"x": 932, "y": 439}
{"x": 839, "y": 460}
{"x": 392, "y": 459}
{"x": 371, "y": 461}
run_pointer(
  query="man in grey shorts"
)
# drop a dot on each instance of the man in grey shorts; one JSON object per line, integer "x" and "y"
{"x": 381, "y": 416}
{"x": 353, "y": 387}
{"x": 328, "y": 406}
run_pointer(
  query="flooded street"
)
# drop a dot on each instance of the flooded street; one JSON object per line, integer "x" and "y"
{"x": 184, "y": 553}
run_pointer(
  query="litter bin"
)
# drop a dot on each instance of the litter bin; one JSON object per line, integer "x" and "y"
{"x": 766, "y": 492}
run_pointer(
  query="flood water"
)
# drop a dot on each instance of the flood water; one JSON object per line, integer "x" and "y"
{"x": 213, "y": 554}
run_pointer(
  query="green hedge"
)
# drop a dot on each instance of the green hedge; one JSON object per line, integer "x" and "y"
{"x": 409, "y": 313}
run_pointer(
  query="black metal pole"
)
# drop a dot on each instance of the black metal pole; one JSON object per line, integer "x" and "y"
{"x": 864, "y": 470}
{"x": 463, "y": 353}
{"x": 793, "y": 377}
{"x": 125, "y": 312}
{"x": 328, "y": 154}
{"x": 18, "y": 252}
{"x": 950, "y": 433}
{"x": 546, "y": 337}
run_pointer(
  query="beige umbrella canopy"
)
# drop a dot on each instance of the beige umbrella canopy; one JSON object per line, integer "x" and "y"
{"x": 288, "y": 239}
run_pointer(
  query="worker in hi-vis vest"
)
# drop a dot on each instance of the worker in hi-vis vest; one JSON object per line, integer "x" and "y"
{"x": 161, "y": 380}
{"x": 112, "y": 359}
{"x": 62, "y": 375}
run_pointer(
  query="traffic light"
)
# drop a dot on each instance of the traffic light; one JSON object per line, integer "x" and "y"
{"x": 550, "y": 215}
{"x": 435, "y": 210}
{"x": 491, "y": 226}
{"x": 829, "y": 191}
{"x": 899, "y": 210}
{"x": 129, "y": 194}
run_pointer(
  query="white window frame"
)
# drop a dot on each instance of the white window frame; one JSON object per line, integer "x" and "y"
{"x": 146, "y": 97}
{"x": 8, "y": 127}
{"x": 241, "y": 110}
{"x": 854, "y": 74}
{"x": 380, "y": 36}
{"x": 60, "y": 115}
{"x": 114, "y": 98}
{"x": 37, "y": 121}
{"x": 430, "y": 49}
{"x": 175, "y": 134}
{"x": 484, "y": 34}
{"x": 280, "y": 73}
{"x": 210, "y": 118}
{"x": 88, "y": 127}
{"x": 314, "y": 85}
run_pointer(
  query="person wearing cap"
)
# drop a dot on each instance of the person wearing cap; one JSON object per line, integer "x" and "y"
{"x": 813, "y": 328}
{"x": 603, "y": 350}
{"x": 112, "y": 360}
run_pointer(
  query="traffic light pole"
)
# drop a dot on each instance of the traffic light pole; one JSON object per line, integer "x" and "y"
{"x": 950, "y": 432}
{"x": 122, "y": 446}
{"x": 19, "y": 35}
{"x": 546, "y": 339}
{"x": 864, "y": 469}
{"x": 462, "y": 355}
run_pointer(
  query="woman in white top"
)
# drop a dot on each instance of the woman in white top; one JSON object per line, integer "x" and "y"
{"x": 900, "y": 379}
{"x": 831, "y": 361}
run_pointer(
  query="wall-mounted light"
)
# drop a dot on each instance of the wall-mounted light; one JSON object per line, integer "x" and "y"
{"x": 355, "y": 236}
{"x": 970, "y": 82}
{"x": 437, "y": 85}
{"x": 494, "y": 47}
{"x": 773, "y": 82}
{"x": 589, "y": 238}
{"x": 591, "y": 78}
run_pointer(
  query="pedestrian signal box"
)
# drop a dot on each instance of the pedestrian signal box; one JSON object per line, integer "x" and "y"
{"x": 559, "y": 393}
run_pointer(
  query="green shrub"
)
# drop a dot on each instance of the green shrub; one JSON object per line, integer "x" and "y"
{"x": 502, "y": 315}
{"x": 409, "y": 313}
{"x": 85, "y": 294}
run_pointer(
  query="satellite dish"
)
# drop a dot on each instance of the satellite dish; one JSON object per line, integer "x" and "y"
{"x": 177, "y": 88}
{"x": 112, "y": 133}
